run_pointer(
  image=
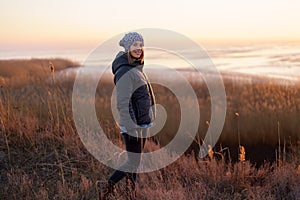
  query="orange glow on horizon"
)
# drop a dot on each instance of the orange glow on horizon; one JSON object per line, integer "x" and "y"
{"x": 78, "y": 24}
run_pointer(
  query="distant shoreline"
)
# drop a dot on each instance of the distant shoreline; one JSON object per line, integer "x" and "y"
{"x": 40, "y": 67}
{"x": 17, "y": 72}
{"x": 35, "y": 66}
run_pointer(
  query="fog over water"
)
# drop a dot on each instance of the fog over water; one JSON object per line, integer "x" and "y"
{"x": 272, "y": 60}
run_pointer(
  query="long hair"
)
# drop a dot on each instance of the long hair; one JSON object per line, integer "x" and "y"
{"x": 132, "y": 59}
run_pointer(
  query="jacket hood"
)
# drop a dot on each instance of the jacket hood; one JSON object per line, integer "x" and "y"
{"x": 121, "y": 60}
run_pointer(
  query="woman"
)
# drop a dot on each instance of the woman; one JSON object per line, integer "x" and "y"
{"x": 135, "y": 104}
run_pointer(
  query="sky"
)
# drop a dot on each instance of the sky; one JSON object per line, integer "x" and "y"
{"x": 40, "y": 24}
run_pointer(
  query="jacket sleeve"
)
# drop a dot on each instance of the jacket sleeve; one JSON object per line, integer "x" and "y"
{"x": 153, "y": 101}
{"x": 125, "y": 88}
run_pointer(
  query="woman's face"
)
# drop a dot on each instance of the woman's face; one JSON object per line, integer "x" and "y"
{"x": 136, "y": 49}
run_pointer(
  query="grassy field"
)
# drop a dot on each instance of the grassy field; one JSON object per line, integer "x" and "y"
{"x": 42, "y": 156}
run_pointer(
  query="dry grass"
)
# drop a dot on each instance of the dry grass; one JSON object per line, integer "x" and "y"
{"x": 16, "y": 73}
{"x": 42, "y": 157}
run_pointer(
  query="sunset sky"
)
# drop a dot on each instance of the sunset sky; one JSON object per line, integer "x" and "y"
{"x": 44, "y": 24}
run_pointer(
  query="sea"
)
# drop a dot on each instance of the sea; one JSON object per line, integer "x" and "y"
{"x": 280, "y": 60}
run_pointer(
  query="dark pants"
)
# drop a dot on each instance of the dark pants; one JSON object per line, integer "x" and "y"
{"x": 135, "y": 145}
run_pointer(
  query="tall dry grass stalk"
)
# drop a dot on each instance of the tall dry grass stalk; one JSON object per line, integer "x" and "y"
{"x": 279, "y": 144}
{"x": 44, "y": 160}
{"x": 210, "y": 152}
{"x": 242, "y": 154}
{"x": 51, "y": 66}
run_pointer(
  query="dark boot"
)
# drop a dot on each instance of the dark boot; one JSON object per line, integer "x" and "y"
{"x": 105, "y": 190}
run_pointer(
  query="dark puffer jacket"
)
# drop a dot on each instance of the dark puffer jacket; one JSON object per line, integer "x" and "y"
{"x": 135, "y": 98}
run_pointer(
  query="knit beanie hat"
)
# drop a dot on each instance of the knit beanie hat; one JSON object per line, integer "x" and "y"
{"x": 129, "y": 39}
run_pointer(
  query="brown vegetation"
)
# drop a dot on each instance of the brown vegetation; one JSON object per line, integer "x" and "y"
{"x": 19, "y": 72}
{"x": 42, "y": 157}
